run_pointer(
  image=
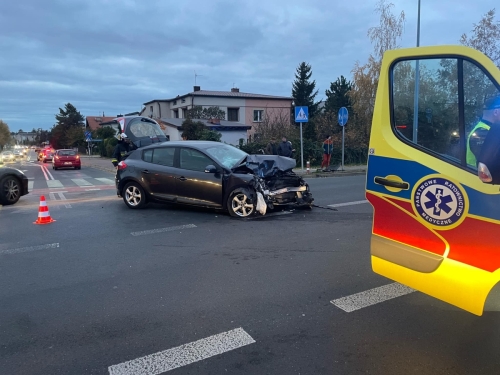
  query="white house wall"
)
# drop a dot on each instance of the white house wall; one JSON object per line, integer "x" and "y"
{"x": 233, "y": 136}
{"x": 223, "y": 103}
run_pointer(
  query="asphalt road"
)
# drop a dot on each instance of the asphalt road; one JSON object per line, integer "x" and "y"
{"x": 212, "y": 294}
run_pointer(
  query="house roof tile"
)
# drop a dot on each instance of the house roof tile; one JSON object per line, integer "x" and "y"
{"x": 223, "y": 94}
{"x": 93, "y": 122}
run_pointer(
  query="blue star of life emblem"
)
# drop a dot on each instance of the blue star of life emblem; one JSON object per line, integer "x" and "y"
{"x": 439, "y": 201}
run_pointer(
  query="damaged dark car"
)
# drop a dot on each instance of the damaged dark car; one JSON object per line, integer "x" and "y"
{"x": 210, "y": 174}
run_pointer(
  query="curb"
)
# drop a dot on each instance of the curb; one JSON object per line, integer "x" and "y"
{"x": 334, "y": 174}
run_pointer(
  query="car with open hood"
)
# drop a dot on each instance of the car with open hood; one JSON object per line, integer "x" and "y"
{"x": 210, "y": 174}
{"x": 141, "y": 131}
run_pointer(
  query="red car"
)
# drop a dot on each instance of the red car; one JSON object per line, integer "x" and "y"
{"x": 45, "y": 155}
{"x": 66, "y": 159}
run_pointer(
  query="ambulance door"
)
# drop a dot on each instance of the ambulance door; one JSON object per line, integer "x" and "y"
{"x": 436, "y": 223}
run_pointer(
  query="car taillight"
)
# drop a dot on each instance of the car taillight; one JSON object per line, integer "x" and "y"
{"x": 57, "y": 157}
{"x": 77, "y": 157}
{"x": 122, "y": 165}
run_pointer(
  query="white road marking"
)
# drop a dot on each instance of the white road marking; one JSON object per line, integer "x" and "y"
{"x": 92, "y": 189}
{"x": 347, "y": 203}
{"x": 30, "y": 185}
{"x": 183, "y": 355}
{"x": 63, "y": 198}
{"x": 371, "y": 297}
{"x": 161, "y": 230}
{"x": 107, "y": 181}
{"x": 54, "y": 184}
{"x": 44, "y": 173}
{"x": 30, "y": 248}
{"x": 50, "y": 174}
{"x": 52, "y": 196}
{"x": 81, "y": 182}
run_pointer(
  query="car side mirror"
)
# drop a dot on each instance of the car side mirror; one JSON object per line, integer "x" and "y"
{"x": 489, "y": 160}
{"x": 210, "y": 169}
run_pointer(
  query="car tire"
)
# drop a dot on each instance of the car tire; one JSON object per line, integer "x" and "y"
{"x": 10, "y": 190}
{"x": 78, "y": 168}
{"x": 240, "y": 205}
{"x": 133, "y": 195}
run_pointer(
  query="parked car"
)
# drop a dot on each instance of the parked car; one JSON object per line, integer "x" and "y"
{"x": 46, "y": 155}
{"x": 13, "y": 185}
{"x": 7, "y": 156}
{"x": 210, "y": 174}
{"x": 66, "y": 159}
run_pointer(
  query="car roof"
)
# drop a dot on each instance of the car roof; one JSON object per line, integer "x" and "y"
{"x": 194, "y": 144}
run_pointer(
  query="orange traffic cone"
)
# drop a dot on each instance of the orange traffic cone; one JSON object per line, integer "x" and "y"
{"x": 43, "y": 213}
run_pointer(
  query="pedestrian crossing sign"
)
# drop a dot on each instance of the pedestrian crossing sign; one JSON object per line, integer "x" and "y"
{"x": 301, "y": 114}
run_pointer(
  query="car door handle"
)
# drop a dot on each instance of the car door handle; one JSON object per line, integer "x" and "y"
{"x": 145, "y": 171}
{"x": 182, "y": 178}
{"x": 391, "y": 183}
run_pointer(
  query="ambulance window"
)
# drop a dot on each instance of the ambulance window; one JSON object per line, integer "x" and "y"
{"x": 434, "y": 126}
{"x": 479, "y": 92}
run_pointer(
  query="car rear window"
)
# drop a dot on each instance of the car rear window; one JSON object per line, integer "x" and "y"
{"x": 67, "y": 153}
{"x": 162, "y": 156}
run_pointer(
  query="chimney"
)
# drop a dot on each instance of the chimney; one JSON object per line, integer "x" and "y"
{"x": 196, "y": 88}
{"x": 235, "y": 89}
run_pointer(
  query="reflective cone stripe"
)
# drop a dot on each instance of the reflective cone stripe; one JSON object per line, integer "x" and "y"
{"x": 43, "y": 213}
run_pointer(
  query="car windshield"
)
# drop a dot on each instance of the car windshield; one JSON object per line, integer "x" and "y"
{"x": 226, "y": 155}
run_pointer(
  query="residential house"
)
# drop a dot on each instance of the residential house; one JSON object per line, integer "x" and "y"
{"x": 231, "y": 131}
{"x": 94, "y": 122}
{"x": 240, "y": 107}
{"x": 22, "y": 138}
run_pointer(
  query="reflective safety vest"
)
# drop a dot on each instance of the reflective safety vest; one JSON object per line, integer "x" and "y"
{"x": 471, "y": 158}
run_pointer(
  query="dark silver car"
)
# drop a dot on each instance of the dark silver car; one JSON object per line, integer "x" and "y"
{"x": 13, "y": 185}
{"x": 210, "y": 174}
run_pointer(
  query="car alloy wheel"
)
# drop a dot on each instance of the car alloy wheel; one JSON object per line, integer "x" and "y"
{"x": 10, "y": 190}
{"x": 241, "y": 205}
{"x": 133, "y": 195}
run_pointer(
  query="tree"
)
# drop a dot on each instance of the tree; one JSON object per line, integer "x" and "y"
{"x": 384, "y": 37}
{"x": 4, "y": 134}
{"x": 485, "y": 37}
{"x": 303, "y": 89}
{"x": 337, "y": 96}
{"x": 192, "y": 130}
{"x": 210, "y": 135}
{"x": 69, "y": 116}
{"x": 104, "y": 132}
{"x": 198, "y": 112}
{"x": 63, "y": 132}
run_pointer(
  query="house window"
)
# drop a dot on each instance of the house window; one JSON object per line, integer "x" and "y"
{"x": 232, "y": 114}
{"x": 176, "y": 114}
{"x": 175, "y": 102}
{"x": 183, "y": 101}
{"x": 258, "y": 115}
{"x": 151, "y": 109}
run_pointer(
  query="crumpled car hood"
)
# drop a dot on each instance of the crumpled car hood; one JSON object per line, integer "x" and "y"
{"x": 268, "y": 165}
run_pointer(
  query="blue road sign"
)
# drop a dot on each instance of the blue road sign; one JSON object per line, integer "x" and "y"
{"x": 343, "y": 116}
{"x": 302, "y": 114}
{"x": 87, "y": 133}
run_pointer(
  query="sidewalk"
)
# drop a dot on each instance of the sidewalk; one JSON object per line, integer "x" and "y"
{"x": 97, "y": 162}
{"x": 349, "y": 170}
{"x": 104, "y": 164}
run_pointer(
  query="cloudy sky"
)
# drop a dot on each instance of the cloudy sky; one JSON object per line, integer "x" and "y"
{"x": 113, "y": 55}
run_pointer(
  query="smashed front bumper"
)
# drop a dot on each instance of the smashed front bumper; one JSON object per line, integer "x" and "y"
{"x": 285, "y": 196}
